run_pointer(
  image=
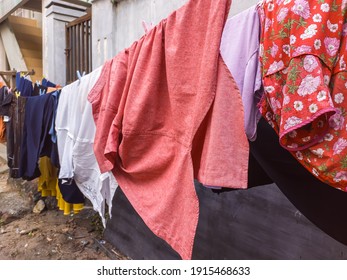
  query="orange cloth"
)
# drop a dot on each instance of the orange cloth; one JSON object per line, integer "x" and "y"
{"x": 167, "y": 110}
{"x": 2, "y": 130}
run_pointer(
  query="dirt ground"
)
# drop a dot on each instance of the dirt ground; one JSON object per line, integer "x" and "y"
{"x": 50, "y": 235}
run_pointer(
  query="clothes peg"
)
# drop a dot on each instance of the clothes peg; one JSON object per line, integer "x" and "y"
{"x": 79, "y": 75}
{"x": 42, "y": 91}
{"x": 147, "y": 27}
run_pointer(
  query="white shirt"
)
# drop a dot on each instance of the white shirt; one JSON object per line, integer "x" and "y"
{"x": 75, "y": 129}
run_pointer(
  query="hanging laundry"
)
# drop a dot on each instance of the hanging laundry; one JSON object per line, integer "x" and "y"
{"x": 5, "y": 104}
{"x": 36, "y": 141}
{"x": 75, "y": 132}
{"x": 240, "y": 52}
{"x": 24, "y": 85}
{"x": 14, "y": 134}
{"x": 167, "y": 110}
{"x": 304, "y": 72}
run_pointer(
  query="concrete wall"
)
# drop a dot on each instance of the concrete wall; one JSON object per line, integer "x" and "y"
{"x": 56, "y": 14}
{"x": 117, "y": 26}
{"x": 3, "y": 60}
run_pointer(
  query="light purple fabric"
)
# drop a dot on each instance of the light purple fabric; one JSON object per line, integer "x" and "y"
{"x": 240, "y": 52}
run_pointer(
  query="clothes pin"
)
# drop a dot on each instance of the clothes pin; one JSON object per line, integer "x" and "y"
{"x": 147, "y": 27}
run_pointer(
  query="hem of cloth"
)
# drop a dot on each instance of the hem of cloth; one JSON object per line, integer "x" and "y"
{"x": 315, "y": 140}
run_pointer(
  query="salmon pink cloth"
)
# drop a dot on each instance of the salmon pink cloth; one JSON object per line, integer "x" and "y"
{"x": 167, "y": 110}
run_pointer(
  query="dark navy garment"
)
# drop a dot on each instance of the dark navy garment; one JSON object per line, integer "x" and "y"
{"x": 24, "y": 86}
{"x": 36, "y": 141}
{"x": 47, "y": 83}
{"x": 70, "y": 191}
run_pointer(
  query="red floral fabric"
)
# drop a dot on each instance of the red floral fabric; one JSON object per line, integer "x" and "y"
{"x": 303, "y": 56}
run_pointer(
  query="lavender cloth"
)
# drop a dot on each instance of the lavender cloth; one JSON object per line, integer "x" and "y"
{"x": 240, "y": 52}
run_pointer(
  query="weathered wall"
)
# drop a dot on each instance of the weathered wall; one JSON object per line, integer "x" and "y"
{"x": 116, "y": 26}
{"x": 56, "y": 14}
{"x": 3, "y": 64}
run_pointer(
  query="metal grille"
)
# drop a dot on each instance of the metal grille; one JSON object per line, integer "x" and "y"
{"x": 78, "y": 47}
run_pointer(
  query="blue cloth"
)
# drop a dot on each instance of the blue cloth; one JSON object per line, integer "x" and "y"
{"x": 70, "y": 191}
{"x": 52, "y": 131}
{"x": 48, "y": 83}
{"x": 36, "y": 141}
{"x": 24, "y": 86}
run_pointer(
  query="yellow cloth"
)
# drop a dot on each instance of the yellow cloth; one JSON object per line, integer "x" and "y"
{"x": 48, "y": 186}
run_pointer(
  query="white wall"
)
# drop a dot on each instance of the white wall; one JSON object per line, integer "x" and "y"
{"x": 55, "y": 16}
{"x": 116, "y": 27}
{"x": 3, "y": 63}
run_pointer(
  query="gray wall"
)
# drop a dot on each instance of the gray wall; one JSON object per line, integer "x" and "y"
{"x": 116, "y": 27}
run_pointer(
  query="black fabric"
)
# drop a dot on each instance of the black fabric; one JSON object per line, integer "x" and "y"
{"x": 39, "y": 90}
{"x": 5, "y": 101}
{"x": 323, "y": 205}
{"x": 70, "y": 191}
{"x": 14, "y": 134}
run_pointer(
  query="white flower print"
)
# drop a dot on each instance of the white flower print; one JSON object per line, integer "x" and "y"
{"x": 299, "y": 155}
{"x": 282, "y": 14}
{"x": 270, "y": 7}
{"x": 337, "y": 121}
{"x": 287, "y": 2}
{"x": 340, "y": 176}
{"x": 339, "y": 97}
{"x": 292, "y": 121}
{"x": 342, "y": 62}
{"x": 308, "y": 85}
{"x": 293, "y": 134}
{"x": 268, "y": 23}
{"x": 268, "y": 116}
{"x": 326, "y": 79}
{"x": 286, "y": 49}
{"x": 313, "y": 108}
{"x": 344, "y": 29}
{"x": 328, "y": 137}
{"x": 310, "y": 63}
{"x": 322, "y": 95}
{"x": 317, "y": 44}
{"x": 275, "y": 66}
{"x": 309, "y": 32}
{"x": 286, "y": 99}
{"x": 275, "y": 104}
{"x": 339, "y": 146}
{"x": 285, "y": 71}
{"x": 261, "y": 49}
{"x": 319, "y": 152}
{"x": 274, "y": 50}
{"x": 301, "y": 8}
{"x": 325, "y": 7}
{"x": 344, "y": 4}
{"x": 298, "y": 105}
{"x": 317, "y": 18}
{"x": 332, "y": 27}
{"x": 315, "y": 172}
{"x": 292, "y": 39}
{"x": 269, "y": 89}
{"x": 306, "y": 139}
{"x": 302, "y": 49}
{"x": 331, "y": 45}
